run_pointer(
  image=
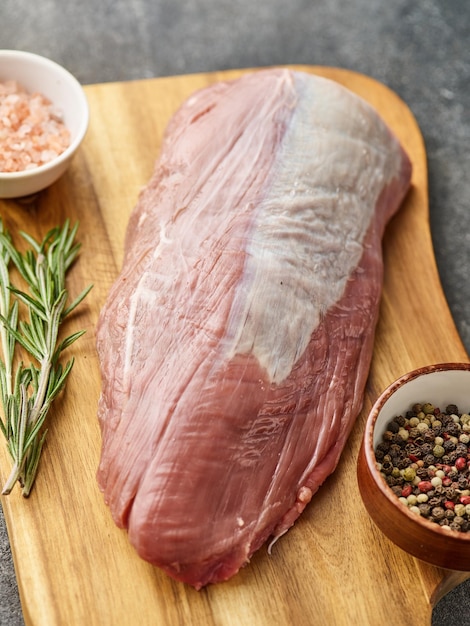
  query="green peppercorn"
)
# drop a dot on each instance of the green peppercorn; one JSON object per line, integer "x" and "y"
{"x": 438, "y": 451}
{"x": 409, "y": 474}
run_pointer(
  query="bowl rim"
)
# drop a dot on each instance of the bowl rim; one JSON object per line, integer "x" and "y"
{"x": 368, "y": 441}
{"x": 82, "y": 128}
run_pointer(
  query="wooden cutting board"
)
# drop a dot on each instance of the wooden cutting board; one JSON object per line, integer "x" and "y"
{"x": 334, "y": 567}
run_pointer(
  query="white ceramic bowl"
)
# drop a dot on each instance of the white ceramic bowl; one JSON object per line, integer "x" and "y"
{"x": 36, "y": 73}
{"x": 440, "y": 384}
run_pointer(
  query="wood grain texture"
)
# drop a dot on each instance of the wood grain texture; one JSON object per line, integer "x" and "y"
{"x": 334, "y": 567}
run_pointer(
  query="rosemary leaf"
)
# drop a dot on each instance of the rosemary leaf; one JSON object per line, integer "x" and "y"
{"x": 28, "y": 392}
{"x": 30, "y": 302}
{"x": 68, "y": 341}
{"x": 77, "y": 301}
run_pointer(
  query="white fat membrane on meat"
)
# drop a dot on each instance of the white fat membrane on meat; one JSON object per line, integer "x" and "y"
{"x": 308, "y": 230}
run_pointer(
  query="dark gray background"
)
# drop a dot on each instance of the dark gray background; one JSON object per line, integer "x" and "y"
{"x": 419, "y": 48}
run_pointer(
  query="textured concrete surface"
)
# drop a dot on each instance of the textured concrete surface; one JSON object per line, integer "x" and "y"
{"x": 419, "y": 49}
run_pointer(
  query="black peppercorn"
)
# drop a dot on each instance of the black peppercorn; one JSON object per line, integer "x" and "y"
{"x": 403, "y": 463}
{"x": 450, "y": 493}
{"x": 387, "y": 468}
{"x": 428, "y": 436}
{"x": 463, "y": 482}
{"x": 453, "y": 429}
{"x": 449, "y": 445}
{"x": 400, "y": 420}
{"x": 413, "y": 450}
{"x": 424, "y": 509}
{"x": 438, "y": 513}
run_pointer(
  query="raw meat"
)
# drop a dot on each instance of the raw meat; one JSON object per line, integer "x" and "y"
{"x": 236, "y": 342}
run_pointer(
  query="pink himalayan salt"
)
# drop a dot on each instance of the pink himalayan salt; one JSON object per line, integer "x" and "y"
{"x": 31, "y": 132}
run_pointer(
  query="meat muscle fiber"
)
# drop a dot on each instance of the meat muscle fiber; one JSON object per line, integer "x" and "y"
{"x": 236, "y": 342}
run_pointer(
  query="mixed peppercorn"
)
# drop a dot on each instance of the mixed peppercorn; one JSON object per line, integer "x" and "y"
{"x": 424, "y": 457}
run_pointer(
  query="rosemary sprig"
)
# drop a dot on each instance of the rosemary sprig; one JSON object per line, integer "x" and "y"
{"x": 27, "y": 392}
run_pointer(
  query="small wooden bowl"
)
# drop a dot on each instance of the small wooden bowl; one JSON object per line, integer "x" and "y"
{"x": 441, "y": 384}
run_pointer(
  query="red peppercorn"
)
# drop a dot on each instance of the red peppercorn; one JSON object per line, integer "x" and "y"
{"x": 465, "y": 499}
{"x": 413, "y": 458}
{"x": 449, "y": 504}
{"x": 406, "y": 491}
{"x": 446, "y": 481}
{"x": 425, "y": 485}
{"x": 461, "y": 463}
